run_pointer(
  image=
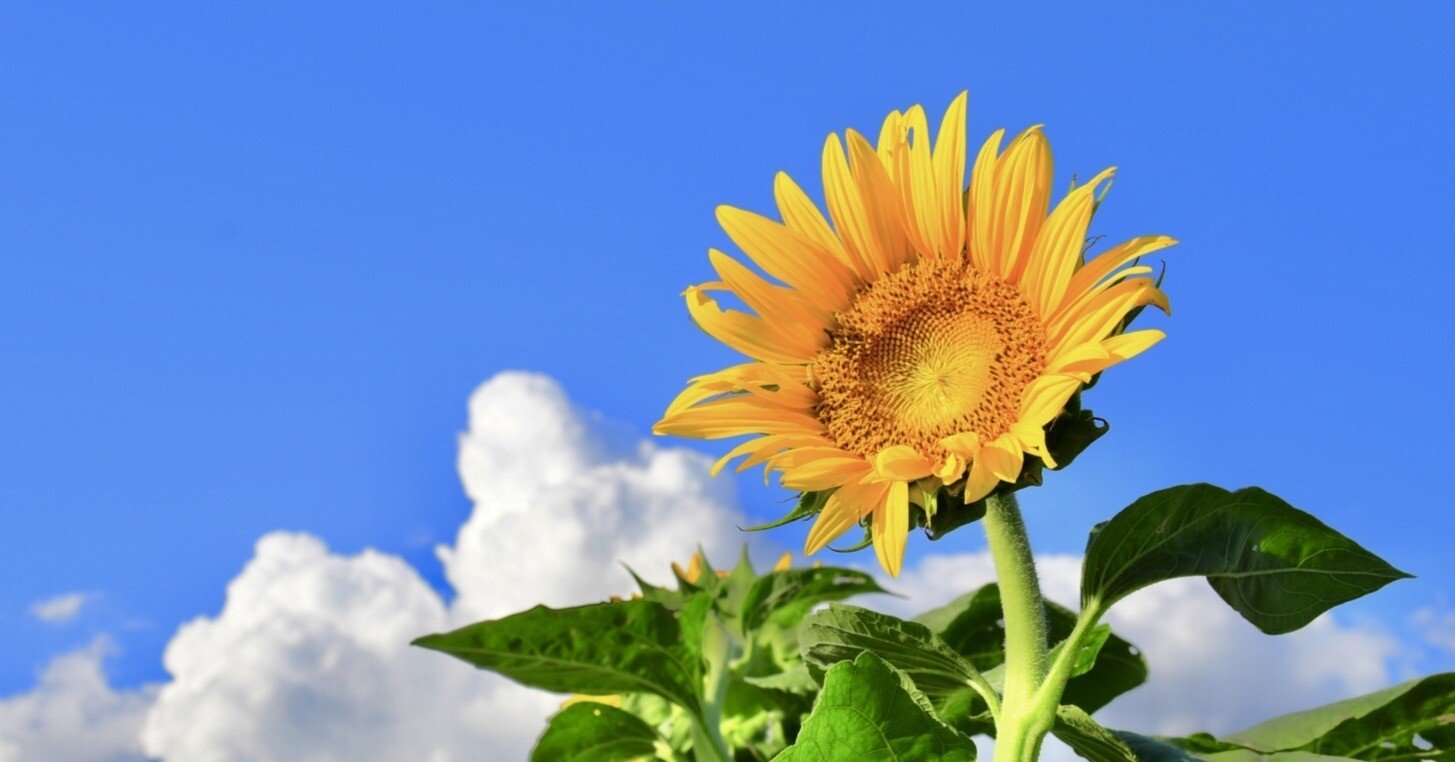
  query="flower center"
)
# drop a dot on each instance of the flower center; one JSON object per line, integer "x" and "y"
{"x": 935, "y": 349}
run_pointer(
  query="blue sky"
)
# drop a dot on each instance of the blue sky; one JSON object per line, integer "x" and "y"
{"x": 256, "y": 259}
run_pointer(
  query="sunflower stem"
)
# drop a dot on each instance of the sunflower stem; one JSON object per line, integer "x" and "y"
{"x": 1022, "y": 723}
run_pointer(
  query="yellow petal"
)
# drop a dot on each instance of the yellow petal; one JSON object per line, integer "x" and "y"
{"x": 800, "y": 214}
{"x": 846, "y": 207}
{"x": 1003, "y": 457}
{"x": 1106, "y": 263}
{"x": 1023, "y": 182}
{"x": 902, "y": 463}
{"x": 790, "y": 257}
{"x": 781, "y": 308}
{"x": 735, "y": 416}
{"x": 979, "y": 483}
{"x": 785, "y": 562}
{"x": 1046, "y": 397}
{"x": 950, "y": 175}
{"x": 746, "y": 333}
{"x": 890, "y": 528}
{"x": 811, "y": 469}
{"x": 844, "y": 508}
{"x": 1058, "y": 247}
{"x": 979, "y": 226}
{"x": 889, "y": 247}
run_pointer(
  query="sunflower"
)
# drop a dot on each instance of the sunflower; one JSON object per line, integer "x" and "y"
{"x": 923, "y": 334}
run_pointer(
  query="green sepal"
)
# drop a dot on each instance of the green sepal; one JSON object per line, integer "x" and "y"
{"x": 809, "y": 504}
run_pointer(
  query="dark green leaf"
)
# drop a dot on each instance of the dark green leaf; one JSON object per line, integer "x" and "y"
{"x": 591, "y": 732}
{"x": 622, "y": 647}
{"x": 972, "y": 625}
{"x": 867, "y": 710}
{"x": 788, "y": 594}
{"x": 841, "y": 633}
{"x": 1276, "y": 565}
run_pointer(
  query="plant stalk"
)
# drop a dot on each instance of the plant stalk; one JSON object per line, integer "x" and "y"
{"x": 1022, "y": 723}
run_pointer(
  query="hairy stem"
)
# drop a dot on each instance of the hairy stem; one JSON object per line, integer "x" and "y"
{"x": 1020, "y": 726}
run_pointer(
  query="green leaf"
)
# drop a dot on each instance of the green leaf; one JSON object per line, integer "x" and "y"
{"x": 621, "y": 647}
{"x": 1275, "y": 565}
{"x": 588, "y": 731}
{"x": 795, "y": 680}
{"x": 867, "y": 710}
{"x": 786, "y": 595}
{"x": 1088, "y": 739}
{"x": 841, "y": 633}
{"x": 972, "y": 626}
{"x": 809, "y": 504}
{"x": 1413, "y": 718}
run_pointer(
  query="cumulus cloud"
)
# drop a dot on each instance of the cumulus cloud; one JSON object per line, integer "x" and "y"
{"x": 308, "y": 658}
{"x": 1204, "y": 659}
{"x": 73, "y": 714}
{"x": 558, "y": 509}
{"x": 61, "y": 609}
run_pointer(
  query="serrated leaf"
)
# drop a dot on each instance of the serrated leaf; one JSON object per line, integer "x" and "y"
{"x": 605, "y": 648}
{"x": 866, "y": 711}
{"x": 841, "y": 633}
{"x": 1275, "y": 565}
{"x": 588, "y": 731}
{"x": 786, "y": 595}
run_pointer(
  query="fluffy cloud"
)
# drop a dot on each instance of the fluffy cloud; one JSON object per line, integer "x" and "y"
{"x": 1203, "y": 657}
{"x": 558, "y": 509}
{"x": 308, "y": 657}
{"x": 73, "y": 714}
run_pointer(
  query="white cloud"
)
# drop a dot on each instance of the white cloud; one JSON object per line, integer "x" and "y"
{"x": 61, "y": 609}
{"x": 73, "y": 714}
{"x": 558, "y": 510}
{"x": 1437, "y": 625}
{"x": 1209, "y": 669}
{"x": 308, "y": 658}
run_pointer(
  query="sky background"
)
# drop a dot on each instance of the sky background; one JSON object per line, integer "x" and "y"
{"x": 256, "y": 259}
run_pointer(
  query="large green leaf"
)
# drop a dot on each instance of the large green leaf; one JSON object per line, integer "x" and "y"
{"x": 786, "y": 595}
{"x": 1411, "y": 720}
{"x": 868, "y": 710}
{"x": 971, "y": 625}
{"x": 620, "y": 647}
{"x": 1276, "y": 565}
{"x": 591, "y": 732}
{"x": 840, "y": 633}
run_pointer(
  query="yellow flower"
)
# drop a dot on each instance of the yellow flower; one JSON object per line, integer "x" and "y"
{"x": 928, "y": 335}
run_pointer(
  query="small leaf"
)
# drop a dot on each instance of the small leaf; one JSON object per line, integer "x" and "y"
{"x": 588, "y": 731}
{"x": 842, "y": 633}
{"x": 1275, "y": 565}
{"x": 809, "y": 504}
{"x": 786, "y": 595}
{"x": 1088, "y": 739}
{"x": 867, "y": 711}
{"x": 621, "y": 647}
{"x": 796, "y": 680}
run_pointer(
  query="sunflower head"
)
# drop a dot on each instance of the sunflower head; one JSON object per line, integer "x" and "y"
{"x": 923, "y": 345}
